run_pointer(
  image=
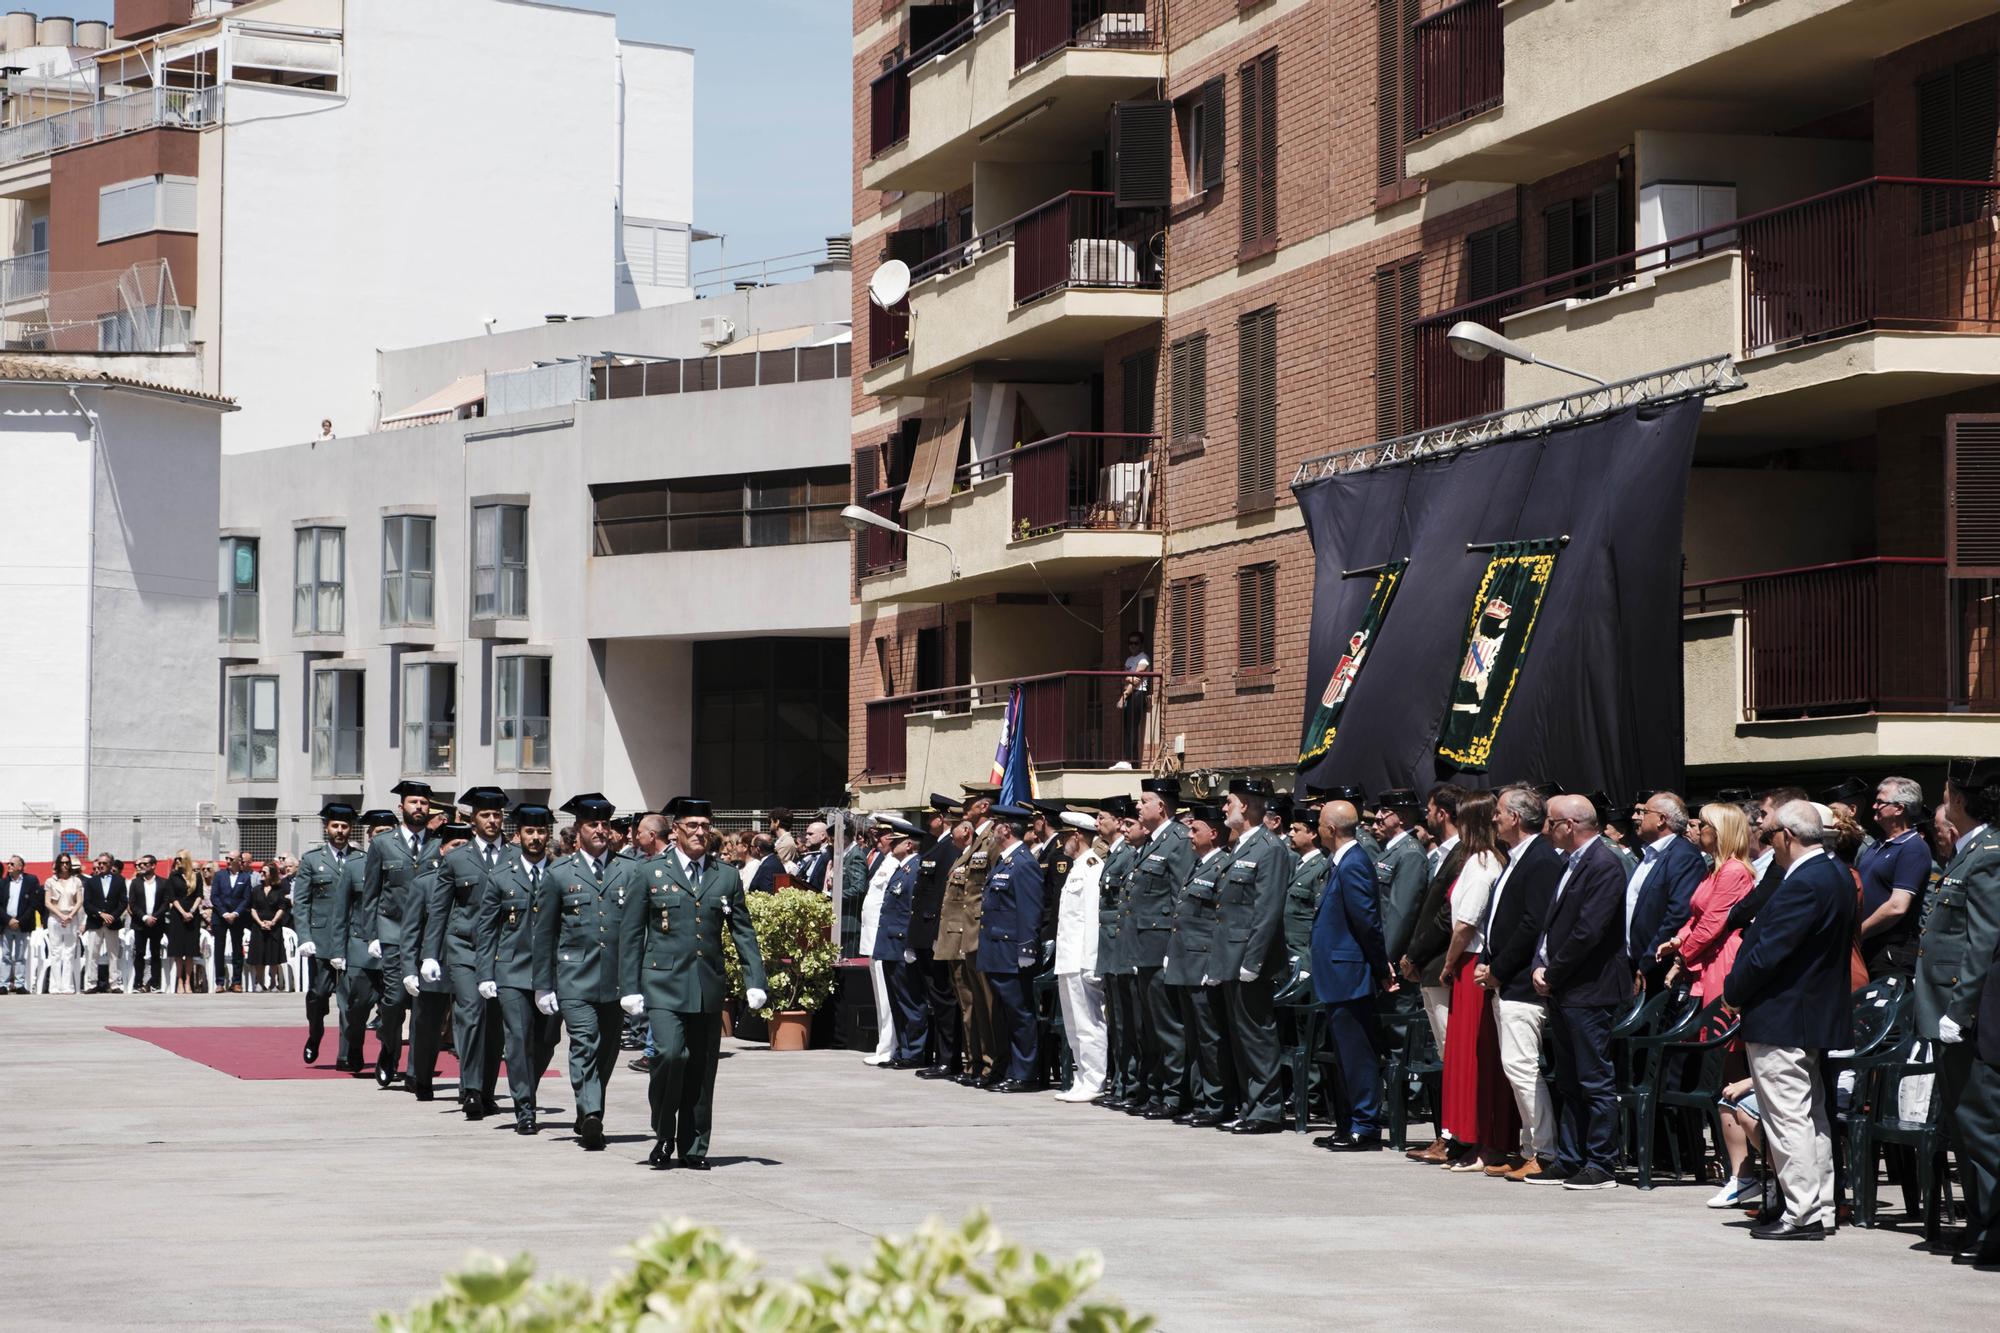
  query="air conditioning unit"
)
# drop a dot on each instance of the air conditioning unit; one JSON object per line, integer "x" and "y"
{"x": 204, "y": 812}
{"x": 716, "y": 330}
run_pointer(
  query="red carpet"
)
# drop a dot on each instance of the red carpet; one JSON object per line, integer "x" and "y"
{"x": 266, "y": 1053}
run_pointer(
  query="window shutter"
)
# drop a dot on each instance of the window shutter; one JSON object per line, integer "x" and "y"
{"x": 1605, "y": 233}
{"x": 1975, "y": 117}
{"x": 1246, "y": 617}
{"x": 1388, "y": 110}
{"x": 1972, "y": 495}
{"x": 1248, "y": 144}
{"x": 1189, "y": 387}
{"x": 1557, "y": 224}
{"x": 1388, "y": 371}
{"x": 1267, "y": 149}
{"x": 1409, "y": 298}
{"x": 866, "y": 462}
{"x": 1256, "y": 617}
{"x": 1480, "y": 265}
{"x": 1187, "y": 609}
{"x": 1256, "y": 409}
{"x": 1137, "y": 374}
{"x": 1197, "y": 626}
{"x": 1507, "y": 257}
{"x": 1214, "y": 136}
{"x": 1142, "y": 139}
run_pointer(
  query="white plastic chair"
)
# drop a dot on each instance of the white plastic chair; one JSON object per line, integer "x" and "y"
{"x": 39, "y": 961}
{"x": 208, "y": 957}
{"x": 125, "y": 971}
{"x": 293, "y": 975}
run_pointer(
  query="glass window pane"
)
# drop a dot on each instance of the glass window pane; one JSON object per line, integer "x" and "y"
{"x": 418, "y": 591}
{"x": 483, "y": 522}
{"x": 331, "y": 565}
{"x": 392, "y": 545}
{"x": 331, "y": 607}
{"x": 263, "y": 703}
{"x": 302, "y": 609}
{"x": 302, "y": 557}
{"x": 417, "y": 545}
{"x": 514, "y": 533}
{"x": 392, "y": 601}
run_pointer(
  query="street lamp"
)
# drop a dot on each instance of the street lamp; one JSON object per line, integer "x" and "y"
{"x": 858, "y": 519}
{"x": 1476, "y": 342}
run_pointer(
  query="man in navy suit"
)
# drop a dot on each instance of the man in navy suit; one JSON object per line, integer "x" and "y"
{"x": 764, "y": 879}
{"x": 892, "y": 948}
{"x": 1349, "y": 960}
{"x": 1790, "y": 982}
{"x": 1582, "y": 969}
{"x": 103, "y": 918}
{"x": 231, "y": 900}
{"x": 1009, "y": 946}
{"x": 1658, "y": 896}
{"x": 20, "y": 912}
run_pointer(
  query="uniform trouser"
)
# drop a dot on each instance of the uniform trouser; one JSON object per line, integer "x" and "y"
{"x": 1586, "y": 1086}
{"x": 1520, "y": 1026}
{"x": 319, "y": 988}
{"x": 1253, "y": 1049}
{"x": 975, "y": 1009}
{"x": 682, "y": 1089}
{"x": 593, "y": 1050}
{"x": 233, "y": 935}
{"x": 885, "y": 1012}
{"x": 1967, "y": 1092}
{"x": 1015, "y": 1023}
{"x": 102, "y": 956}
{"x": 367, "y": 989}
{"x": 428, "y": 1010}
{"x": 149, "y": 952}
{"x": 1127, "y": 1021}
{"x": 1165, "y": 1037}
{"x": 1791, "y": 1103}
{"x": 475, "y": 1032}
{"x": 531, "y": 1043}
{"x": 1205, "y": 1030}
{"x": 1350, "y": 1027}
{"x": 1083, "y": 1023}
{"x": 911, "y": 1006}
{"x": 13, "y": 958}
{"x": 941, "y": 1002}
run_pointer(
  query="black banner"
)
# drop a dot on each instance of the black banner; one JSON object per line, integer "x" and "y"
{"x": 1598, "y": 702}
{"x": 1324, "y": 721}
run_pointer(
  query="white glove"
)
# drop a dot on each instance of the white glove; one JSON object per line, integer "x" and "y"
{"x": 1211, "y": 981}
{"x": 489, "y": 990}
{"x": 410, "y": 985}
{"x": 337, "y": 964}
{"x": 1165, "y": 961}
{"x": 755, "y": 998}
{"x": 1949, "y": 1032}
{"x": 909, "y": 955}
{"x": 306, "y": 950}
{"x": 633, "y": 1005}
{"x": 375, "y": 949}
{"x": 1246, "y": 974}
{"x": 545, "y": 1000}
{"x": 430, "y": 971}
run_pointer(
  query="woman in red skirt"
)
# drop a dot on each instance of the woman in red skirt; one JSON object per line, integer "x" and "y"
{"x": 1479, "y": 1112}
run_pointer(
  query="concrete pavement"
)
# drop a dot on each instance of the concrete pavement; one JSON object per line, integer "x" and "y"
{"x": 139, "y": 1190}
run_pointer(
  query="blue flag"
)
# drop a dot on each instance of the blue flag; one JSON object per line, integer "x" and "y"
{"x": 1017, "y": 776}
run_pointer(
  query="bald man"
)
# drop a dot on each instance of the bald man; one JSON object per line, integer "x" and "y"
{"x": 1349, "y": 962}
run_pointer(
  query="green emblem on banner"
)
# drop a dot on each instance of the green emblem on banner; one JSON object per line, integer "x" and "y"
{"x": 1496, "y": 642}
{"x": 1325, "y": 719}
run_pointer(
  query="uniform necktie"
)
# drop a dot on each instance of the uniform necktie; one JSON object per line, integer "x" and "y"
{"x": 492, "y": 856}
{"x": 535, "y": 876}
{"x": 596, "y": 870}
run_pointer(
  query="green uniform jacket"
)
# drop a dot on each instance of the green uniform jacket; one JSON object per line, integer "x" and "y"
{"x": 404, "y": 956}
{"x": 1401, "y": 875}
{"x": 577, "y": 937}
{"x": 452, "y": 906}
{"x": 508, "y": 918}
{"x": 389, "y": 874}
{"x": 1961, "y": 927}
{"x": 1164, "y": 863}
{"x": 1302, "y": 904}
{"x": 315, "y": 901}
{"x": 349, "y": 926}
{"x": 1252, "y": 936}
{"x": 1112, "y": 945}
{"x": 1198, "y": 924}
{"x": 670, "y": 944}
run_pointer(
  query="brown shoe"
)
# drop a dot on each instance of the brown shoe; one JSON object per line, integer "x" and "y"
{"x": 1527, "y": 1169}
{"x": 1504, "y": 1167}
{"x": 1438, "y": 1152}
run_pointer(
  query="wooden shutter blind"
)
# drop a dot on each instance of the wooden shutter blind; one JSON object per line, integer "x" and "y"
{"x": 1142, "y": 146}
{"x": 1972, "y": 495}
{"x": 1558, "y": 230}
{"x": 1137, "y": 374}
{"x": 1187, "y": 612}
{"x": 1395, "y": 87}
{"x": 1257, "y": 409}
{"x": 1958, "y": 116}
{"x": 1257, "y": 153}
{"x": 1492, "y": 261}
{"x": 1397, "y": 303}
{"x": 1257, "y": 617}
{"x": 866, "y": 464}
{"x": 1214, "y": 132}
{"x": 1188, "y": 387}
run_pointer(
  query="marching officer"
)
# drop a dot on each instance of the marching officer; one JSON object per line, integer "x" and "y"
{"x": 1160, "y": 871}
{"x": 958, "y": 945}
{"x": 1194, "y": 979}
{"x": 1010, "y": 951}
{"x": 1121, "y": 1017}
{"x": 387, "y": 895}
{"x": 315, "y": 895}
{"x": 1248, "y": 957}
{"x": 360, "y": 968}
{"x": 670, "y": 967}
{"x": 424, "y": 980}
{"x": 451, "y": 936}
{"x": 520, "y": 893}
{"x": 576, "y": 956}
{"x": 939, "y": 996}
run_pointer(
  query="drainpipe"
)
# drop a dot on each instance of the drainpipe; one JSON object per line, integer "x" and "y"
{"x": 90, "y": 589}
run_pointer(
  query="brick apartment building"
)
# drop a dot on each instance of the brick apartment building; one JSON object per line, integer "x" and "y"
{"x": 1163, "y": 251}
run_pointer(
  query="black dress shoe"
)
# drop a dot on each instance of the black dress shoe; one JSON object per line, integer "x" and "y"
{"x": 1204, "y": 1120}
{"x": 642, "y": 1065}
{"x": 695, "y": 1163}
{"x": 1159, "y": 1111}
{"x": 904, "y": 1064}
{"x": 1014, "y": 1085}
{"x": 424, "y": 1091}
{"x": 1339, "y": 1139}
{"x": 661, "y": 1158}
{"x": 311, "y": 1054}
{"x": 590, "y": 1129}
{"x": 968, "y": 1080}
{"x": 937, "y": 1071}
{"x": 1783, "y": 1230}
{"x": 341, "y": 1066}
{"x": 489, "y": 1105}
{"x": 524, "y": 1124}
{"x": 385, "y": 1078}
{"x": 1257, "y": 1127}
{"x": 991, "y": 1081}
{"x": 1364, "y": 1143}
{"x": 474, "y": 1108}
{"x": 360, "y": 1071}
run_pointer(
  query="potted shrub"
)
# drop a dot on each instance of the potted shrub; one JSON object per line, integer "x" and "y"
{"x": 795, "y": 936}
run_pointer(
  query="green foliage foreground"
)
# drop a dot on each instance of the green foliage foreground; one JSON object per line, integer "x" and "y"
{"x": 687, "y": 1277}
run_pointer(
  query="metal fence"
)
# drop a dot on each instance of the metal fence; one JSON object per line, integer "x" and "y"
{"x": 155, "y": 108}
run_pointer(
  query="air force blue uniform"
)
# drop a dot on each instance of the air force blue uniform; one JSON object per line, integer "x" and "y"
{"x": 905, "y": 982}
{"x": 1009, "y": 953}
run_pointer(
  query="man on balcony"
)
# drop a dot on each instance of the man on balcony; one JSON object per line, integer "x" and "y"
{"x": 1136, "y": 699}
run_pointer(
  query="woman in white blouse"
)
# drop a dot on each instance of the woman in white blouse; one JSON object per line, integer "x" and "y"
{"x": 62, "y": 908}
{"x": 1479, "y": 1110}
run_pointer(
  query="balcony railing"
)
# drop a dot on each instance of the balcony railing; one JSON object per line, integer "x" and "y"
{"x": 736, "y": 370}
{"x": 1080, "y": 239}
{"x": 888, "y": 332}
{"x": 1044, "y": 27}
{"x": 1071, "y": 718}
{"x": 1891, "y": 252}
{"x": 1459, "y": 64}
{"x": 882, "y": 550}
{"x": 1085, "y": 480}
{"x": 155, "y": 108}
{"x": 24, "y": 277}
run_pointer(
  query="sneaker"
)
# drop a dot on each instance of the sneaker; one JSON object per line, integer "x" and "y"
{"x": 1550, "y": 1174}
{"x": 1736, "y": 1192}
{"x": 1591, "y": 1178}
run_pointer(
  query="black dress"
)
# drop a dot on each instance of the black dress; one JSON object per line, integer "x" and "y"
{"x": 267, "y": 947}
{"x": 183, "y": 936}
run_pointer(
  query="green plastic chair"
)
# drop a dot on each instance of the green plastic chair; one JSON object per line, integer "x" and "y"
{"x": 1638, "y": 1044}
{"x": 1412, "y": 1059}
{"x": 1701, "y": 1099}
{"x": 1880, "y": 1124}
{"x": 1308, "y": 1025}
{"x": 1881, "y": 1031}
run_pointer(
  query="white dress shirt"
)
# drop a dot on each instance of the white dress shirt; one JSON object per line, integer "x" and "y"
{"x": 1542, "y": 946}
{"x": 1652, "y": 852}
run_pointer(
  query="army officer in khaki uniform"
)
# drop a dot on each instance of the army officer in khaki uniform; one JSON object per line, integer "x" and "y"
{"x": 958, "y": 945}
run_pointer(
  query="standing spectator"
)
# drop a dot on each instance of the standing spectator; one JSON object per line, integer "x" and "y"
{"x": 1080, "y": 988}
{"x": 817, "y": 856}
{"x": 1583, "y": 970}
{"x": 1430, "y": 937}
{"x": 229, "y": 902}
{"x": 1513, "y": 929}
{"x": 1705, "y": 948}
{"x": 1478, "y": 1102}
{"x": 62, "y": 909}
{"x": 104, "y": 917}
{"x": 1658, "y": 894}
{"x": 20, "y": 910}
{"x": 184, "y": 922}
{"x": 786, "y": 847}
{"x": 266, "y": 913}
{"x": 146, "y": 896}
{"x": 767, "y": 864}
{"x": 1790, "y": 982}
{"x": 1349, "y": 960}
{"x": 1135, "y": 700}
{"x": 1893, "y": 875}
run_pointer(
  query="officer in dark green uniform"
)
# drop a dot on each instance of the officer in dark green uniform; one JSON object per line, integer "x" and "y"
{"x": 670, "y": 967}
{"x": 1307, "y": 882}
{"x": 1249, "y": 955}
{"x": 1121, "y": 1064}
{"x": 1961, "y": 930}
{"x": 315, "y": 889}
{"x": 424, "y": 980}
{"x": 1193, "y": 979}
{"x": 1402, "y": 872}
{"x": 360, "y": 971}
{"x": 576, "y": 956}
{"x": 451, "y": 937}
{"x": 1160, "y": 872}
{"x": 387, "y": 895}
{"x": 520, "y": 893}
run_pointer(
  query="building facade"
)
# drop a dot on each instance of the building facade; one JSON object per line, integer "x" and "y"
{"x": 1161, "y": 252}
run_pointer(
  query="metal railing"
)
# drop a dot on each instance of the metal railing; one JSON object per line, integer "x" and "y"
{"x": 888, "y": 332}
{"x": 1044, "y": 27}
{"x": 1071, "y": 719}
{"x": 1079, "y": 239}
{"x": 642, "y": 378}
{"x": 882, "y": 550}
{"x": 1890, "y": 252}
{"x": 24, "y": 277}
{"x": 154, "y": 108}
{"x": 1460, "y": 64}
{"x": 1087, "y": 480}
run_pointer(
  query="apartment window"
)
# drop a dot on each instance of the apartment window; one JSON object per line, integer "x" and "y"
{"x": 236, "y": 600}
{"x": 1187, "y": 614}
{"x": 500, "y": 561}
{"x": 407, "y": 564}
{"x": 318, "y": 594}
{"x": 521, "y": 715}
{"x": 1202, "y": 121}
{"x": 430, "y": 716}
{"x": 1492, "y": 261}
{"x": 1257, "y": 409}
{"x": 1257, "y": 617}
{"x": 1396, "y": 306}
{"x": 146, "y": 203}
{"x": 1958, "y": 116}
{"x": 1257, "y": 153}
{"x": 1395, "y": 92}
{"x": 337, "y": 717}
{"x": 787, "y": 508}
{"x": 1137, "y": 374}
{"x": 252, "y": 728}
{"x": 1578, "y": 233}
{"x": 1187, "y": 387}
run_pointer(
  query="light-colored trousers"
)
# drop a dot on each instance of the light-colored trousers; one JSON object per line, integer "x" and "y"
{"x": 1082, "y": 997}
{"x": 62, "y": 956}
{"x": 1792, "y": 1101}
{"x": 1437, "y": 1008}
{"x": 101, "y": 946}
{"x": 14, "y": 958}
{"x": 885, "y": 1016}
{"x": 1520, "y": 1026}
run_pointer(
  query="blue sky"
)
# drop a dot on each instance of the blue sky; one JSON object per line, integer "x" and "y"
{"x": 772, "y": 158}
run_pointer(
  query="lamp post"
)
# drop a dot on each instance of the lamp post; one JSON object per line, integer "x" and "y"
{"x": 1476, "y": 342}
{"x": 858, "y": 519}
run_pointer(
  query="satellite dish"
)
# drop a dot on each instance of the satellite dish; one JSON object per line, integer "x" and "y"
{"x": 890, "y": 284}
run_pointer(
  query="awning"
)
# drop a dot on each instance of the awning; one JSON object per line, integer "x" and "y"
{"x": 443, "y": 405}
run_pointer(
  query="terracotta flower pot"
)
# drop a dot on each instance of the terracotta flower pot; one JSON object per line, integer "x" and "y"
{"x": 728, "y": 1023}
{"x": 789, "y": 1030}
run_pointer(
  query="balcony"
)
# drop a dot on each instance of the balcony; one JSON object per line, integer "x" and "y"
{"x": 888, "y": 332}
{"x": 1580, "y": 74}
{"x": 1884, "y": 657}
{"x": 1019, "y": 81}
{"x": 1051, "y": 285}
{"x": 1077, "y": 506}
{"x": 1459, "y": 64}
{"x": 24, "y": 279}
{"x": 1835, "y": 306}
{"x": 155, "y": 108}
{"x": 1075, "y": 731}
